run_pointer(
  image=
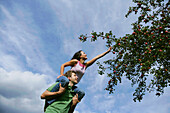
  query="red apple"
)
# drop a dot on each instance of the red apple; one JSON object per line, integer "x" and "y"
{"x": 139, "y": 30}
{"x": 133, "y": 33}
{"x": 166, "y": 31}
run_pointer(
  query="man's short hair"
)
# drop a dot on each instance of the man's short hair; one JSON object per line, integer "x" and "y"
{"x": 69, "y": 73}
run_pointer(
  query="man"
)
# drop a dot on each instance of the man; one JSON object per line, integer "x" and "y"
{"x": 65, "y": 98}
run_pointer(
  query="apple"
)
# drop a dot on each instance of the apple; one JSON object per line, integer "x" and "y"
{"x": 134, "y": 33}
{"x": 139, "y": 4}
{"x": 139, "y": 30}
{"x": 160, "y": 50}
{"x": 166, "y": 31}
{"x": 85, "y": 38}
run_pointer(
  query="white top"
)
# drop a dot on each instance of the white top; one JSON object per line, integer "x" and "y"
{"x": 79, "y": 68}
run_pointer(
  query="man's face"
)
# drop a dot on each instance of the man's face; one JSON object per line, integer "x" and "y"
{"x": 74, "y": 78}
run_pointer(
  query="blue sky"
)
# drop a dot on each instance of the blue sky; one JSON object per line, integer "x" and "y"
{"x": 37, "y": 36}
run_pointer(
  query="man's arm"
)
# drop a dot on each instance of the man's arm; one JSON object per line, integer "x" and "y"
{"x": 74, "y": 103}
{"x": 50, "y": 95}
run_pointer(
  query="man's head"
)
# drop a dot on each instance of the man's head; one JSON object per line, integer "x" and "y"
{"x": 71, "y": 75}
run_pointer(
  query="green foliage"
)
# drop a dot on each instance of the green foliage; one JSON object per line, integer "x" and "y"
{"x": 144, "y": 53}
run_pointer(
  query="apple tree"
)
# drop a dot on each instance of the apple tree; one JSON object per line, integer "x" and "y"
{"x": 143, "y": 56}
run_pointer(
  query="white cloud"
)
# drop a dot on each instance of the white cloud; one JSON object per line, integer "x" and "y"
{"x": 103, "y": 102}
{"x": 150, "y": 104}
{"x": 9, "y": 62}
{"x": 85, "y": 16}
{"x": 20, "y": 40}
{"x": 21, "y": 49}
{"x": 21, "y": 91}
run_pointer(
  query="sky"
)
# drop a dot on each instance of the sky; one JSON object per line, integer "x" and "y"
{"x": 38, "y": 36}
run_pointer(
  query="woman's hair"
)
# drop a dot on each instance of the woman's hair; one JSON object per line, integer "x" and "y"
{"x": 77, "y": 55}
{"x": 69, "y": 73}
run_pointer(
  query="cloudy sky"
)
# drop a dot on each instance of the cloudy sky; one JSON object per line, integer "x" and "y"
{"x": 37, "y": 36}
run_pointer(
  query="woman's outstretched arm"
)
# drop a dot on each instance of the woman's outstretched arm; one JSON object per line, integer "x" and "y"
{"x": 89, "y": 63}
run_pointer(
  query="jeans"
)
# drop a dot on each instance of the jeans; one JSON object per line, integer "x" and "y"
{"x": 64, "y": 82}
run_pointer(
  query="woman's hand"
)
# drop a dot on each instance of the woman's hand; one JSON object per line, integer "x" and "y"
{"x": 59, "y": 76}
{"x": 110, "y": 48}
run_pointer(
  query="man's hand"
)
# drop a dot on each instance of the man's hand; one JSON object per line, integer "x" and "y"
{"x": 74, "y": 103}
{"x": 61, "y": 89}
{"x": 75, "y": 100}
{"x": 51, "y": 95}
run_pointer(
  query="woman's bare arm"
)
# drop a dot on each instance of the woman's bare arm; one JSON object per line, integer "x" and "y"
{"x": 89, "y": 63}
{"x": 69, "y": 63}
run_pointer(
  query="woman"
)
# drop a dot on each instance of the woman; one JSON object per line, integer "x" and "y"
{"x": 78, "y": 65}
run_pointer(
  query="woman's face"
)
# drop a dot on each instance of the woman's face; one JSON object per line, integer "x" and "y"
{"x": 83, "y": 55}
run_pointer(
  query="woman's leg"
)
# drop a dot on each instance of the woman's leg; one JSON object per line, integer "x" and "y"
{"x": 78, "y": 91}
{"x": 63, "y": 80}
